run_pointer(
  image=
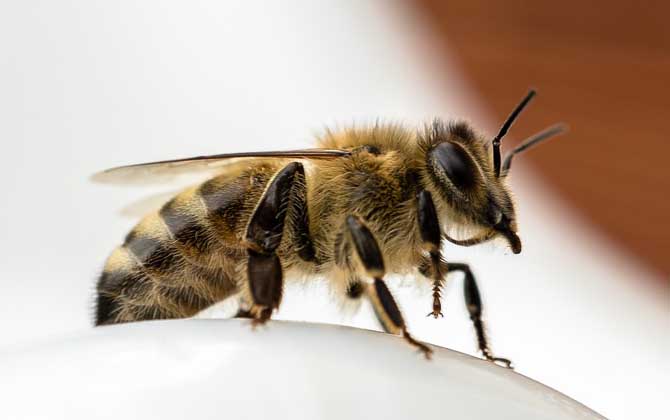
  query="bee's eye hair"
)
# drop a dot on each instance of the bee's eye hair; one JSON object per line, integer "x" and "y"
{"x": 505, "y": 127}
{"x": 462, "y": 130}
{"x": 455, "y": 163}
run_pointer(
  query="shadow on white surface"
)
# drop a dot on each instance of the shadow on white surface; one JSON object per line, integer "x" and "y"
{"x": 285, "y": 370}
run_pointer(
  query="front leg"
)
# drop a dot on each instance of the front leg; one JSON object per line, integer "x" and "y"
{"x": 264, "y": 234}
{"x": 436, "y": 269}
{"x": 369, "y": 254}
{"x": 473, "y": 302}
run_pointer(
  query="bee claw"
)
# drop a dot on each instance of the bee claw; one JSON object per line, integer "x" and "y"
{"x": 424, "y": 349}
{"x": 260, "y": 315}
{"x": 502, "y": 362}
{"x": 435, "y": 314}
{"x": 427, "y": 352}
{"x": 255, "y": 323}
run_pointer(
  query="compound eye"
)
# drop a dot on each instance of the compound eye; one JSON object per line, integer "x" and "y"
{"x": 456, "y": 164}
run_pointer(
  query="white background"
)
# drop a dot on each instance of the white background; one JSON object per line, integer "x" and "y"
{"x": 86, "y": 85}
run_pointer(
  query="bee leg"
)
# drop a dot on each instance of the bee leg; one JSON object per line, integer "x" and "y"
{"x": 302, "y": 238}
{"x": 263, "y": 236}
{"x": 243, "y": 313}
{"x": 355, "y": 289}
{"x": 435, "y": 268}
{"x": 473, "y": 302}
{"x": 384, "y": 305}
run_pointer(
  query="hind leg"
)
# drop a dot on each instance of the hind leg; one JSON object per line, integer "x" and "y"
{"x": 285, "y": 194}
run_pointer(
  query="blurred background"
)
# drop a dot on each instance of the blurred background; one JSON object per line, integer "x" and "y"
{"x": 585, "y": 308}
{"x": 601, "y": 66}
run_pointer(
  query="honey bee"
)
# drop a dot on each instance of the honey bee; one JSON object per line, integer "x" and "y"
{"x": 367, "y": 202}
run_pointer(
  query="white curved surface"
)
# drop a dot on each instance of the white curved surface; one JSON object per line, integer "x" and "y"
{"x": 204, "y": 369}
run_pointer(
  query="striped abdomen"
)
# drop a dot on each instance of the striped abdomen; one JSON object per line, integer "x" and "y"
{"x": 183, "y": 258}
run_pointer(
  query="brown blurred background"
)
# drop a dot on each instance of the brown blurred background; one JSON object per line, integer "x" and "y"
{"x": 600, "y": 66}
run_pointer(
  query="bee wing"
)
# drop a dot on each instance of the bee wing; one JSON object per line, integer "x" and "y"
{"x": 148, "y": 204}
{"x": 168, "y": 170}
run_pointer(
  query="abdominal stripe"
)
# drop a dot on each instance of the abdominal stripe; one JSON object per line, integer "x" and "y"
{"x": 185, "y": 228}
{"x": 154, "y": 254}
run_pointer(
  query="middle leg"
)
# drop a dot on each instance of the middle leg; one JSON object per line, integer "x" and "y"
{"x": 370, "y": 256}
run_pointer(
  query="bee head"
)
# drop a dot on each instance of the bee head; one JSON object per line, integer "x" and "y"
{"x": 460, "y": 172}
{"x": 464, "y": 169}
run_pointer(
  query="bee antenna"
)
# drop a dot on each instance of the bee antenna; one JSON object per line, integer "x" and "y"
{"x": 505, "y": 127}
{"x": 531, "y": 141}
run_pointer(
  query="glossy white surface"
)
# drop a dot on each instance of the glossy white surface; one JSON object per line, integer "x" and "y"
{"x": 202, "y": 369}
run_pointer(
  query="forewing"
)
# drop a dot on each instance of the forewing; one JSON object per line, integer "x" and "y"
{"x": 168, "y": 170}
{"x": 148, "y": 204}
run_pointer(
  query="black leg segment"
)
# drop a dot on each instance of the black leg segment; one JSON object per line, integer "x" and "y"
{"x": 386, "y": 309}
{"x": 302, "y": 237}
{"x": 429, "y": 227}
{"x": 387, "y": 303}
{"x": 265, "y": 228}
{"x": 366, "y": 247}
{"x": 265, "y": 279}
{"x": 473, "y": 302}
{"x": 263, "y": 236}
